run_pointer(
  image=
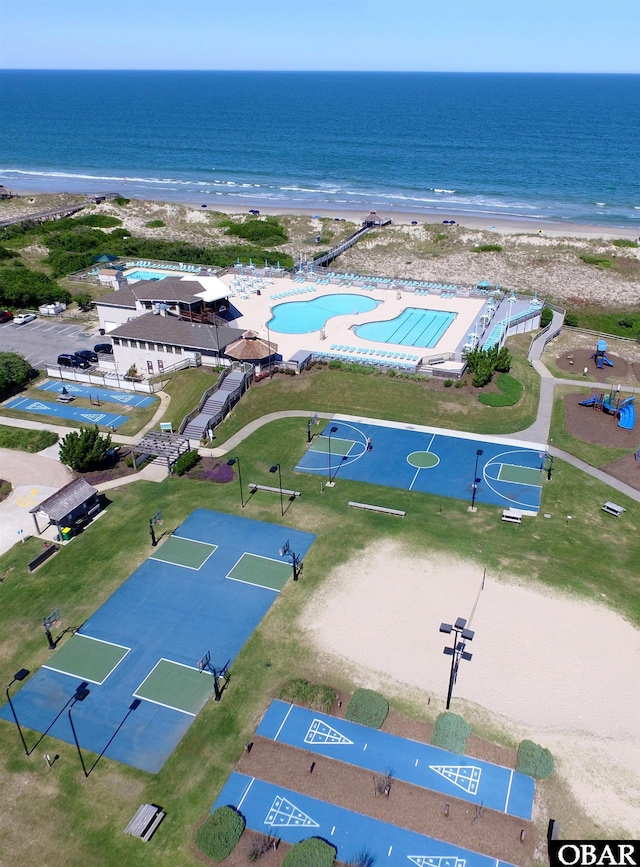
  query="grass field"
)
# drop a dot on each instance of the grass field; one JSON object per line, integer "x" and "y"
{"x": 81, "y": 821}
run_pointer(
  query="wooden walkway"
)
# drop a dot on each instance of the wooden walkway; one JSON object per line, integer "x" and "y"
{"x": 57, "y": 213}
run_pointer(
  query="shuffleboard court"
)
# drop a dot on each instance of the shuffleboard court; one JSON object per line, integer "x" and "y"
{"x": 59, "y": 410}
{"x": 184, "y": 552}
{"x": 78, "y": 389}
{"x": 176, "y": 686}
{"x": 261, "y": 571}
{"x": 292, "y": 816}
{"x": 509, "y": 473}
{"x": 420, "y": 764}
{"x": 87, "y": 658}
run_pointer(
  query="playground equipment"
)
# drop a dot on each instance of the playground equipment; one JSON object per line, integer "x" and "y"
{"x": 600, "y": 355}
{"x": 623, "y": 409}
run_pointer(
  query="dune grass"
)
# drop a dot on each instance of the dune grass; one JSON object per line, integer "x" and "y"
{"x": 30, "y": 441}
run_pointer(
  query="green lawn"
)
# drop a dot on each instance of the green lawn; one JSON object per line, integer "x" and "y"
{"x": 30, "y": 441}
{"x": 186, "y": 388}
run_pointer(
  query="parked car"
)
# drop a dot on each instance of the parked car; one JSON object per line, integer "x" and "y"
{"x": 23, "y": 318}
{"x": 68, "y": 360}
{"x": 103, "y": 348}
{"x": 87, "y": 354}
{"x": 6, "y": 316}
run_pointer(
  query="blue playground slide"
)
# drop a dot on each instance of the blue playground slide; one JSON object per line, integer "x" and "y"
{"x": 590, "y": 401}
{"x": 627, "y": 414}
{"x": 606, "y": 361}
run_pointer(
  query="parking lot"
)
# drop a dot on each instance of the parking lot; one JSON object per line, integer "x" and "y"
{"x": 42, "y": 340}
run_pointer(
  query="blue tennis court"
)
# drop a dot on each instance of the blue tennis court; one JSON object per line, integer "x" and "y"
{"x": 510, "y": 473}
{"x": 145, "y": 642}
{"x": 77, "y": 389}
{"x": 420, "y": 764}
{"x": 66, "y": 411}
{"x": 291, "y": 816}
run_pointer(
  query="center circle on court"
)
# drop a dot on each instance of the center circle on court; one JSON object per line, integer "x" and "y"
{"x": 423, "y": 460}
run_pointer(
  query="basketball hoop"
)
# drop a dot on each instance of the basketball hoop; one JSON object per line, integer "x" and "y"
{"x": 53, "y": 621}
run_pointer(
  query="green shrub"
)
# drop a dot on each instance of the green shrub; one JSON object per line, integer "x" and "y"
{"x": 7, "y": 254}
{"x": 598, "y": 261}
{"x": 155, "y": 224}
{"x": 186, "y": 462}
{"x": 267, "y": 231}
{"x": 84, "y": 449}
{"x": 15, "y": 371}
{"x": 624, "y": 242}
{"x": 451, "y": 732}
{"x": 488, "y": 248}
{"x": 368, "y": 708}
{"x": 511, "y": 392}
{"x": 460, "y": 383}
{"x": 219, "y": 833}
{"x": 546, "y": 316}
{"x": 31, "y": 441}
{"x": 121, "y": 201}
{"x": 448, "y": 383}
{"x": 625, "y": 322}
{"x": 534, "y": 761}
{"x": 313, "y": 852}
{"x": 316, "y": 696}
{"x": 482, "y": 374}
{"x": 391, "y": 372}
{"x": 99, "y": 221}
{"x": 571, "y": 319}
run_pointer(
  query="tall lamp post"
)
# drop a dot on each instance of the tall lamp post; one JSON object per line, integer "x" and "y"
{"x": 18, "y": 677}
{"x": 273, "y": 469}
{"x": 476, "y": 481}
{"x": 135, "y": 704}
{"x": 80, "y": 695}
{"x": 457, "y": 651}
{"x": 332, "y": 430}
{"x": 230, "y": 463}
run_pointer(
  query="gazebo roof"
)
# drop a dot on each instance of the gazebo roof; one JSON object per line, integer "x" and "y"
{"x": 250, "y": 347}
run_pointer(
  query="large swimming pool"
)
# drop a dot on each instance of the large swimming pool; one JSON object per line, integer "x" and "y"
{"x": 302, "y": 317}
{"x": 414, "y": 327}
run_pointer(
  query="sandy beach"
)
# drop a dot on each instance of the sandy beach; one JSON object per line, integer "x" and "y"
{"x": 544, "y": 664}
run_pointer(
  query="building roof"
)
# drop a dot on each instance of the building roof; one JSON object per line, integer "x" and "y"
{"x": 122, "y": 297}
{"x": 169, "y": 329}
{"x": 188, "y": 290}
{"x": 250, "y": 347}
{"x": 63, "y": 502}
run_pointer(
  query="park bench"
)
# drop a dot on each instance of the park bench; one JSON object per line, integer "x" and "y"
{"x": 253, "y": 487}
{"x": 512, "y": 516}
{"x": 46, "y": 552}
{"x": 612, "y": 509}
{"x": 371, "y": 508}
{"x": 145, "y": 822}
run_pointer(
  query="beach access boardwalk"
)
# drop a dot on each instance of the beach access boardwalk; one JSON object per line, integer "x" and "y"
{"x": 57, "y": 213}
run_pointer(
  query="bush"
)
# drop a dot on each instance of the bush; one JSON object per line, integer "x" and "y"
{"x": 99, "y": 221}
{"x": 83, "y": 300}
{"x": 31, "y": 441}
{"x": 511, "y": 392}
{"x": 14, "y": 371}
{"x": 488, "y": 248}
{"x": 267, "y": 231}
{"x": 451, "y": 732}
{"x": 186, "y": 462}
{"x": 84, "y": 450}
{"x": 624, "y": 242}
{"x": 23, "y": 288}
{"x": 155, "y": 224}
{"x": 534, "y": 761}
{"x": 121, "y": 201}
{"x": 460, "y": 383}
{"x": 546, "y": 316}
{"x": 598, "y": 261}
{"x": 7, "y": 254}
{"x": 368, "y": 708}
{"x": 313, "y": 852}
{"x": 571, "y": 319}
{"x": 482, "y": 374}
{"x": 221, "y": 474}
{"x": 316, "y": 696}
{"x": 448, "y": 383}
{"x": 625, "y": 322}
{"x": 219, "y": 833}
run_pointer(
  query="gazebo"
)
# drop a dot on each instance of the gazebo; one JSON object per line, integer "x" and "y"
{"x": 69, "y": 508}
{"x": 251, "y": 347}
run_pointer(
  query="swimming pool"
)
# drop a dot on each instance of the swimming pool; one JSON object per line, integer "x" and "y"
{"x": 414, "y": 327}
{"x": 146, "y": 275}
{"x": 302, "y": 317}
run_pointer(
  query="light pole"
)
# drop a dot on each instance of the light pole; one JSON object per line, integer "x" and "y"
{"x": 273, "y": 469}
{"x": 135, "y": 704}
{"x": 457, "y": 651}
{"x": 332, "y": 430}
{"x": 230, "y": 463}
{"x": 80, "y": 695}
{"x": 18, "y": 677}
{"x": 476, "y": 482}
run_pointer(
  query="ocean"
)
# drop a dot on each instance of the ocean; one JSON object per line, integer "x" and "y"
{"x": 532, "y": 146}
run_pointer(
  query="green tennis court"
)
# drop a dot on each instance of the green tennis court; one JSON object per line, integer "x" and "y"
{"x": 184, "y": 552}
{"x": 176, "y": 686}
{"x": 262, "y": 571}
{"x": 521, "y": 475}
{"x": 87, "y": 658}
{"x": 336, "y": 445}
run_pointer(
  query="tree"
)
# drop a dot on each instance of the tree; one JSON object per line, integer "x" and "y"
{"x": 84, "y": 449}
{"x": 14, "y": 371}
{"x": 83, "y": 300}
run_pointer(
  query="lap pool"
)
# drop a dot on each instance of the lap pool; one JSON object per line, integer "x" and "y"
{"x": 302, "y": 317}
{"x": 414, "y": 327}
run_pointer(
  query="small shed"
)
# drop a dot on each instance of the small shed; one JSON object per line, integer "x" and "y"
{"x": 70, "y": 507}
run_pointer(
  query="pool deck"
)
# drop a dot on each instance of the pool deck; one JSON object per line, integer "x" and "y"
{"x": 255, "y": 312}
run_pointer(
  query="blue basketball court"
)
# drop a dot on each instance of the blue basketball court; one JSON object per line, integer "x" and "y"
{"x": 107, "y": 395}
{"x": 509, "y": 473}
{"x": 291, "y": 816}
{"x": 66, "y": 411}
{"x": 420, "y": 764}
{"x": 201, "y": 592}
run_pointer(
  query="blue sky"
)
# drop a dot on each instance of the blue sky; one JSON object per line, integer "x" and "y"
{"x": 402, "y": 35}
